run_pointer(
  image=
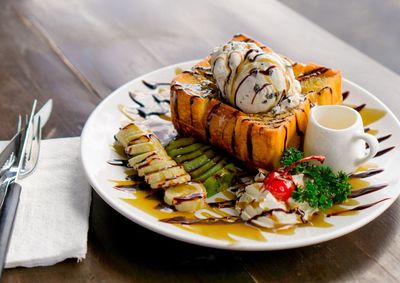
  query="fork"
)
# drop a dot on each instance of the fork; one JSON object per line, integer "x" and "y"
{"x": 18, "y": 170}
{"x": 29, "y": 160}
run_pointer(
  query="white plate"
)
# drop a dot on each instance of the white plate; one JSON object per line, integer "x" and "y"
{"x": 105, "y": 120}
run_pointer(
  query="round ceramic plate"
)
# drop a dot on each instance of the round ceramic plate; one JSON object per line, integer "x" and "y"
{"x": 104, "y": 122}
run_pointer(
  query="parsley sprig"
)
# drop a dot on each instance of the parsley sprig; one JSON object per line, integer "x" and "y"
{"x": 323, "y": 188}
{"x": 290, "y": 156}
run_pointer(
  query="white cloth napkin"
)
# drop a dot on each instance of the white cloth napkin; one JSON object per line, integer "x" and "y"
{"x": 51, "y": 224}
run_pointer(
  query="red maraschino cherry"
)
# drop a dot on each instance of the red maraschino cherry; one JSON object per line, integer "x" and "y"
{"x": 280, "y": 182}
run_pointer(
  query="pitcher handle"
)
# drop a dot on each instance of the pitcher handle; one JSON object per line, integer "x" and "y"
{"x": 373, "y": 147}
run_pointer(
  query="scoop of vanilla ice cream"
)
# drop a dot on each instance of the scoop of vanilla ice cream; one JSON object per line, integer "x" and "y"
{"x": 253, "y": 80}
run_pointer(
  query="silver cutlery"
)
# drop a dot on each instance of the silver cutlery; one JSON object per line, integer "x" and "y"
{"x": 18, "y": 159}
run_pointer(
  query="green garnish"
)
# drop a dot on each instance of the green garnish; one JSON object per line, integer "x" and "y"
{"x": 290, "y": 156}
{"x": 323, "y": 188}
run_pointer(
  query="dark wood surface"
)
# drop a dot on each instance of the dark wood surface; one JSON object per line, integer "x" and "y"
{"x": 374, "y": 25}
{"x": 78, "y": 51}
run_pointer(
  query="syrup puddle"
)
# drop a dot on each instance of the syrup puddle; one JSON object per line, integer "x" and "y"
{"x": 219, "y": 230}
{"x": 369, "y": 115}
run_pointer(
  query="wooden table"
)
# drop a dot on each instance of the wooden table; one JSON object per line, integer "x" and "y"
{"x": 79, "y": 51}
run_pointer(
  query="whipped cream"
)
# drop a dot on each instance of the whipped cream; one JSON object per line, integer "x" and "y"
{"x": 253, "y": 80}
{"x": 261, "y": 208}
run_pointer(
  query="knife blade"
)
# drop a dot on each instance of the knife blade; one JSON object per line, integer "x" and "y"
{"x": 13, "y": 145}
{"x": 44, "y": 113}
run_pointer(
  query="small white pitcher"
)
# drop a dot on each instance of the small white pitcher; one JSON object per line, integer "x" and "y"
{"x": 337, "y": 132}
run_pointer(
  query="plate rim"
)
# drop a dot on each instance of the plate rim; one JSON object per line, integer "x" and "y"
{"x": 211, "y": 242}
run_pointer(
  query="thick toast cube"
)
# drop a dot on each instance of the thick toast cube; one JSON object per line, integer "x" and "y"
{"x": 256, "y": 139}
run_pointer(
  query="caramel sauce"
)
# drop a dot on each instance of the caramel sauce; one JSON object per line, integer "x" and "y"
{"x": 358, "y": 184}
{"x": 125, "y": 110}
{"x": 318, "y": 221}
{"x": 228, "y": 194}
{"x": 366, "y": 166}
{"x": 121, "y": 183}
{"x": 130, "y": 172}
{"x": 165, "y": 117}
{"x": 350, "y": 202}
{"x": 178, "y": 71}
{"x": 372, "y": 132}
{"x": 119, "y": 149}
{"x": 125, "y": 185}
{"x": 149, "y": 205}
{"x": 220, "y": 231}
{"x": 369, "y": 115}
{"x": 343, "y": 211}
{"x": 287, "y": 231}
{"x": 226, "y": 231}
{"x": 219, "y": 200}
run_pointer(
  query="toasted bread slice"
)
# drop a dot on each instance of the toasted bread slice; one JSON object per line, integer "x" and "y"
{"x": 256, "y": 139}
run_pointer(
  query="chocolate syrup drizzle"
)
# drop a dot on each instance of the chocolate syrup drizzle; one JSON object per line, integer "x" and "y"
{"x": 191, "y": 101}
{"x": 381, "y": 139}
{"x": 154, "y": 85}
{"x": 285, "y": 139}
{"x": 249, "y": 141}
{"x": 252, "y": 72}
{"x": 367, "y": 173}
{"x": 383, "y": 151}
{"x": 144, "y": 111}
{"x": 188, "y": 221}
{"x": 366, "y": 129}
{"x": 259, "y": 90}
{"x": 160, "y": 99}
{"x": 345, "y": 94}
{"x": 312, "y": 73}
{"x": 269, "y": 212}
{"x": 133, "y": 97}
{"x": 324, "y": 88}
{"x": 208, "y": 120}
{"x": 222, "y": 204}
{"x": 118, "y": 162}
{"x": 367, "y": 190}
{"x": 360, "y": 107}
{"x": 233, "y": 138}
{"x": 184, "y": 220}
{"x": 357, "y": 208}
{"x": 179, "y": 200}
